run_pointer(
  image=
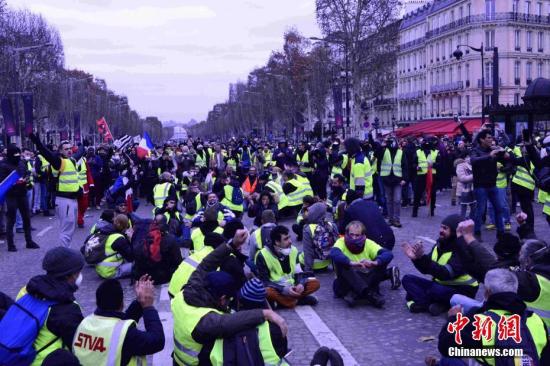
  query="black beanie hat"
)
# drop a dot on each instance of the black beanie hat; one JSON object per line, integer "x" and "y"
{"x": 231, "y": 228}
{"x": 508, "y": 245}
{"x": 60, "y": 262}
{"x": 452, "y": 221}
{"x": 109, "y": 295}
{"x": 12, "y": 150}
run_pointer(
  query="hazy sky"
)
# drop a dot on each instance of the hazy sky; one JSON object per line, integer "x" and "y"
{"x": 172, "y": 58}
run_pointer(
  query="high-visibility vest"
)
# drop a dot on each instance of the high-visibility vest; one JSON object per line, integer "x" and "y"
{"x": 318, "y": 264}
{"x": 82, "y": 172}
{"x": 362, "y": 172}
{"x": 98, "y": 341}
{"x": 546, "y": 207}
{"x": 462, "y": 280}
{"x": 502, "y": 179}
{"x": 339, "y": 169}
{"x": 303, "y": 160}
{"x": 186, "y": 318}
{"x": 276, "y": 273}
{"x": 45, "y": 164}
{"x": 423, "y": 161}
{"x": 269, "y": 355}
{"x": 68, "y": 176}
{"x": 160, "y": 193}
{"x": 198, "y": 237}
{"x": 232, "y": 163}
{"x": 46, "y": 342}
{"x": 541, "y": 305}
{"x": 107, "y": 268}
{"x": 198, "y": 203}
{"x": 268, "y": 157}
{"x": 31, "y": 178}
{"x": 169, "y": 217}
{"x": 228, "y": 196}
{"x": 523, "y": 177}
{"x": 249, "y": 188}
{"x": 200, "y": 161}
{"x": 296, "y": 198}
{"x": 370, "y": 250}
{"x": 534, "y": 324}
{"x": 388, "y": 166}
{"x": 186, "y": 269}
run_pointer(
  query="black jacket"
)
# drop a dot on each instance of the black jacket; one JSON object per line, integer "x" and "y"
{"x": 121, "y": 245}
{"x": 20, "y": 188}
{"x": 65, "y": 316}
{"x": 484, "y": 167}
{"x": 138, "y": 342}
{"x": 475, "y": 258}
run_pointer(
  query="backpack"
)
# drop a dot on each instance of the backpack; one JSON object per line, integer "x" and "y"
{"x": 324, "y": 238}
{"x": 19, "y": 329}
{"x": 237, "y": 196}
{"x": 152, "y": 244}
{"x": 93, "y": 249}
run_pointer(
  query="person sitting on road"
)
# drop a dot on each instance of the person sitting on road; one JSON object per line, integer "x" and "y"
{"x": 501, "y": 299}
{"x": 63, "y": 276}
{"x": 121, "y": 208}
{"x": 209, "y": 224}
{"x": 445, "y": 267}
{"x": 266, "y": 202}
{"x": 126, "y": 344}
{"x": 105, "y": 220}
{"x": 174, "y": 218}
{"x": 279, "y": 269}
{"x": 118, "y": 250}
{"x": 201, "y": 312}
{"x": 319, "y": 235}
{"x": 224, "y": 214}
{"x": 262, "y": 235}
{"x": 298, "y": 227}
{"x": 360, "y": 266}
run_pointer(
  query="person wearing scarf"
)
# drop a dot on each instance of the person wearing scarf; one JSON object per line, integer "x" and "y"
{"x": 360, "y": 266}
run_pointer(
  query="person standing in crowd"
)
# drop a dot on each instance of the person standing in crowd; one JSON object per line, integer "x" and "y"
{"x": 321, "y": 173}
{"x": 427, "y": 158}
{"x": 464, "y": 189}
{"x": 360, "y": 173}
{"x": 86, "y": 182}
{"x": 16, "y": 197}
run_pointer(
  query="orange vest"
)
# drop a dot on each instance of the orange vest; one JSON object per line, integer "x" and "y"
{"x": 249, "y": 188}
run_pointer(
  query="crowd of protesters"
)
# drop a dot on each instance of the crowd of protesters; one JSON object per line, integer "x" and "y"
{"x": 343, "y": 200}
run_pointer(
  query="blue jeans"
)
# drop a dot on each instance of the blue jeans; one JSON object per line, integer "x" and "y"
{"x": 504, "y": 204}
{"x": 426, "y": 292}
{"x": 482, "y": 195}
{"x": 44, "y": 196}
{"x": 468, "y": 304}
{"x": 379, "y": 194}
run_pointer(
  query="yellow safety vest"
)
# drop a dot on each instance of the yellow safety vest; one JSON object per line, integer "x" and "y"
{"x": 198, "y": 203}
{"x": 267, "y": 350}
{"x": 160, "y": 193}
{"x": 186, "y": 269}
{"x": 268, "y": 157}
{"x": 423, "y": 161}
{"x": 107, "y": 268}
{"x": 370, "y": 250}
{"x": 186, "y": 318}
{"x": 296, "y": 198}
{"x": 198, "y": 237}
{"x": 535, "y": 326}
{"x": 304, "y": 159}
{"x": 227, "y": 199}
{"x": 82, "y": 172}
{"x": 502, "y": 179}
{"x": 276, "y": 273}
{"x": 388, "y": 166}
{"x": 463, "y": 280}
{"x": 339, "y": 169}
{"x": 318, "y": 264}
{"x": 523, "y": 177}
{"x": 361, "y": 172}
{"x": 68, "y": 176}
{"x": 541, "y": 305}
{"x": 200, "y": 161}
{"x": 45, "y": 164}
{"x": 546, "y": 208}
{"x": 98, "y": 341}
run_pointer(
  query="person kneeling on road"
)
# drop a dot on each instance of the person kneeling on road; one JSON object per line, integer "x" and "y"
{"x": 118, "y": 251}
{"x": 360, "y": 266}
{"x": 117, "y": 330}
{"x": 279, "y": 269}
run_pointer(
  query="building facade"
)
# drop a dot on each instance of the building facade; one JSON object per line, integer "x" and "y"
{"x": 432, "y": 83}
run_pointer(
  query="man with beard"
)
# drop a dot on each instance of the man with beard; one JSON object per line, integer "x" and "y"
{"x": 16, "y": 197}
{"x": 446, "y": 268}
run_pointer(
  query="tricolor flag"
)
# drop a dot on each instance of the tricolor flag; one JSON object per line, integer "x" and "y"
{"x": 7, "y": 183}
{"x": 145, "y": 146}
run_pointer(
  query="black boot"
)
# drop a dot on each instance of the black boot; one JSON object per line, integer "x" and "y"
{"x": 11, "y": 247}
{"x": 32, "y": 245}
{"x": 415, "y": 212}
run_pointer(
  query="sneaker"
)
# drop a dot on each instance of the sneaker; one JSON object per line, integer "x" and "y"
{"x": 12, "y": 248}
{"x": 308, "y": 300}
{"x": 32, "y": 245}
{"x": 436, "y": 309}
{"x": 453, "y": 203}
{"x": 320, "y": 357}
{"x": 416, "y": 308}
{"x": 395, "y": 278}
{"x": 397, "y": 224}
{"x": 47, "y": 213}
{"x": 508, "y": 227}
{"x": 490, "y": 227}
{"x": 80, "y": 226}
{"x": 376, "y": 300}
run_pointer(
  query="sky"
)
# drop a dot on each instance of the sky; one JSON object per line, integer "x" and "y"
{"x": 174, "y": 59}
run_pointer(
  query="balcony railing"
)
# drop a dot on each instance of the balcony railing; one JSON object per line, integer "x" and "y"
{"x": 482, "y": 18}
{"x": 412, "y": 44}
{"x": 411, "y": 95}
{"x": 383, "y": 101}
{"x": 449, "y": 87}
{"x": 488, "y": 82}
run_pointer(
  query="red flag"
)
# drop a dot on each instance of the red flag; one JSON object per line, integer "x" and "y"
{"x": 429, "y": 184}
{"x": 103, "y": 129}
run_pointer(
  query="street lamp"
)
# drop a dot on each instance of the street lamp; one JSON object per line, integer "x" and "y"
{"x": 346, "y": 65}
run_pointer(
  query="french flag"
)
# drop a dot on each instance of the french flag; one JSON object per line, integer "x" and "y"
{"x": 145, "y": 146}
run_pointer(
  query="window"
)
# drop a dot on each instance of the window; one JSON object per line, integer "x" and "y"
{"x": 518, "y": 40}
{"x": 539, "y": 9}
{"x": 437, "y": 77}
{"x": 450, "y": 47}
{"x": 516, "y": 99}
{"x": 467, "y": 72}
{"x": 529, "y": 71}
{"x": 459, "y": 73}
{"x": 515, "y": 7}
{"x": 489, "y": 39}
{"x": 527, "y": 7}
{"x": 517, "y": 66}
{"x": 453, "y": 15}
{"x": 539, "y": 70}
{"x": 450, "y": 74}
{"x": 443, "y": 76}
{"x": 467, "y": 105}
{"x": 529, "y": 41}
{"x": 460, "y": 105}
{"x": 540, "y": 41}
{"x": 488, "y": 73}
{"x": 431, "y": 53}
{"x": 461, "y": 12}
{"x": 489, "y": 9}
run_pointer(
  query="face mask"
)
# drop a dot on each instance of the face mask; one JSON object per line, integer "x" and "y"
{"x": 285, "y": 252}
{"x": 212, "y": 202}
{"x": 355, "y": 245}
{"x": 78, "y": 281}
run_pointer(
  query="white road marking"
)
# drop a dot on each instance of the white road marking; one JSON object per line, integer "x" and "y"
{"x": 164, "y": 293}
{"x": 44, "y": 231}
{"x": 426, "y": 239}
{"x": 164, "y": 357}
{"x": 323, "y": 334}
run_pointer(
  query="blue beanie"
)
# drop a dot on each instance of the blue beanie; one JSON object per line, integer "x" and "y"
{"x": 253, "y": 290}
{"x": 221, "y": 283}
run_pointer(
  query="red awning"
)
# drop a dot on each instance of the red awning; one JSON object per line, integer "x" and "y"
{"x": 438, "y": 127}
